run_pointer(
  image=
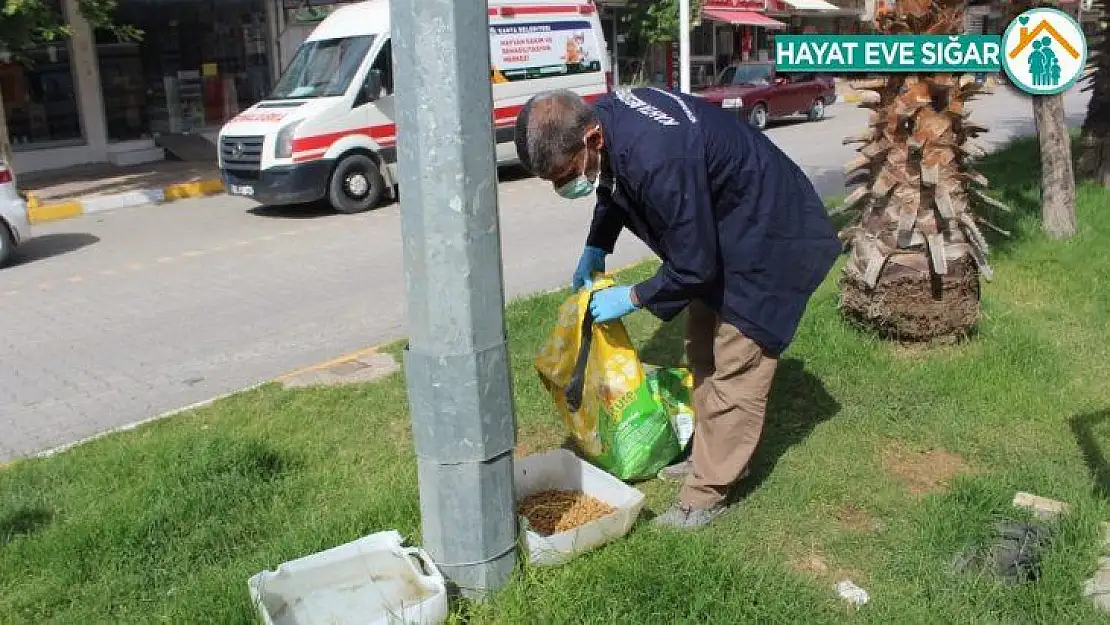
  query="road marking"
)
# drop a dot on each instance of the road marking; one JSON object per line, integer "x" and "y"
{"x": 135, "y": 266}
{"x": 166, "y": 259}
{"x": 11, "y": 293}
{"x": 268, "y": 237}
{"x": 108, "y": 272}
{"x": 327, "y": 364}
{"x": 45, "y": 286}
{"x": 76, "y": 279}
{"x": 193, "y": 253}
{"x": 242, "y": 243}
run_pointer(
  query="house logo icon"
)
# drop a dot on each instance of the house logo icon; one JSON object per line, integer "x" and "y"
{"x": 1045, "y": 51}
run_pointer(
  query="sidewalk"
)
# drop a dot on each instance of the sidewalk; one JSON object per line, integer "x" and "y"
{"x": 74, "y": 191}
{"x": 850, "y": 91}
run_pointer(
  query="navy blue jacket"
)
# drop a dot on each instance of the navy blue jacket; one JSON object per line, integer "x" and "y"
{"x": 735, "y": 221}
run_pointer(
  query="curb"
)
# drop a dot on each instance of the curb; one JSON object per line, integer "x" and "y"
{"x": 42, "y": 213}
{"x": 47, "y": 453}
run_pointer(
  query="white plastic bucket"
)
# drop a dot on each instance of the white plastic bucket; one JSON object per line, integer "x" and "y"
{"x": 562, "y": 470}
{"x": 371, "y": 581}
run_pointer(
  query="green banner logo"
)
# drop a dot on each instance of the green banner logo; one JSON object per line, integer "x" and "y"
{"x": 1044, "y": 52}
{"x": 838, "y": 54}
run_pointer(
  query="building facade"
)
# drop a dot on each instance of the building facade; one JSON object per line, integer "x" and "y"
{"x": 93, "y": 99}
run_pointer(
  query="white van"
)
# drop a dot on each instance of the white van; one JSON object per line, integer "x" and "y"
{"x": 327, "y": 130}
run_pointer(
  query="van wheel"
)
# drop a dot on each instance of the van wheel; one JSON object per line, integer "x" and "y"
{"x": 816, "y": 110}
{"x": 758, "y": 118}
{"x": 356, "y": 185}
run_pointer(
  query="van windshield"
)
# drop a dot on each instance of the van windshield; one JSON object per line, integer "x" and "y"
{"x": 323, "y": 68}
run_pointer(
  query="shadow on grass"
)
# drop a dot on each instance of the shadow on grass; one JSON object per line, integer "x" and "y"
{"x": 1083, "y": 427}
{"x": 799, "y": 402}
{"x": 1015, "y": 179}
{"x": 22, "y": 522}
{"x": 666, "y": 347}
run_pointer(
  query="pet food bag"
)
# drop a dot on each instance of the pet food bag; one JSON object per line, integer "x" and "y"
{"x": 627, "y": 418}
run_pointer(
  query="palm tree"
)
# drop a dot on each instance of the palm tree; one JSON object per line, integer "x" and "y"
{"x": 917, "y": 251}
{"x": 1094, "y": 160}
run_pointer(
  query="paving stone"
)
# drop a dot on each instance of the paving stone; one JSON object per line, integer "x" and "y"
{"x": 1043, "y": 508}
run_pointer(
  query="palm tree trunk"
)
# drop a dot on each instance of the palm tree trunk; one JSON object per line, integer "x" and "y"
{"x": 1057, "y": 173}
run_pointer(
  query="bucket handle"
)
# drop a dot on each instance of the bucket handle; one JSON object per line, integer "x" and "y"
{"x": 426, "y": 564}
{"x": 573, "y": 390}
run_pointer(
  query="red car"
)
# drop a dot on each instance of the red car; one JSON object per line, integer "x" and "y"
{"x": 756, "y": 92}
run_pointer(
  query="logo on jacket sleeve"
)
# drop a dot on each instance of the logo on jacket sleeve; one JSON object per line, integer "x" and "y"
{"x": 632, "y": 101}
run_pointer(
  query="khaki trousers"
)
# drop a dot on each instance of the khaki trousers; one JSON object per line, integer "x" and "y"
{"x": 732, "y": 379}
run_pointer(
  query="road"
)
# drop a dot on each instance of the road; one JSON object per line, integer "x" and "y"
{"x": 115, "y": 317}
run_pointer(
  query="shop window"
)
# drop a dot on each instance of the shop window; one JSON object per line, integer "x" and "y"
{"x": 125, "y": 91}
{"x": 701, "y": 39}
{"x": 40, "y": 98}
{"x": 196, "y": 66}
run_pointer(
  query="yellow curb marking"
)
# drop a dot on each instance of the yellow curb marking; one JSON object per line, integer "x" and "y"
{"x": 40, "y": 213}
{"x": 327, "y": 364}
{"x": 200, "y": 188}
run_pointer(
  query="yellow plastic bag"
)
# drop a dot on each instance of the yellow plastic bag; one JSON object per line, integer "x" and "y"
{"x": 621, "y": 414}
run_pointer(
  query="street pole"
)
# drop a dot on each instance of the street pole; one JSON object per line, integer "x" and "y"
{"x": 684, "y": 45}
{"x": 456, "y": 363}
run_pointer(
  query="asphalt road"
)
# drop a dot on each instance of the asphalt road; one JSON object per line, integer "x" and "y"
{"x": 116, "y": 317}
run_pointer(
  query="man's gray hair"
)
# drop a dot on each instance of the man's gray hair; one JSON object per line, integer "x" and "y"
{"x": 550, "y": 130}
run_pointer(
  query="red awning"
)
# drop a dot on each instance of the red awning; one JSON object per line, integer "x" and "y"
{"x": 741, "y": 18}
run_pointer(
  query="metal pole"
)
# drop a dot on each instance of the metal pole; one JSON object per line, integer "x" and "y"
{"x": 684, "y": 45}
{"x": 456, "y": 363}
{"x": 616, "y": 49}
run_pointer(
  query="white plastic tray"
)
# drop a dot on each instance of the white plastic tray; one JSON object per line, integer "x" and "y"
{"x": 562, "y": 470}
{"x": 371, "y": 581}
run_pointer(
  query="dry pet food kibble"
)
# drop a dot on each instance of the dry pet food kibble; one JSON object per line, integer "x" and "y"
{"x": 553, "y": 511}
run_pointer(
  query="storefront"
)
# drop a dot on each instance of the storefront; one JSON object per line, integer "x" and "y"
{"x": 740, "y": 31}
{"x": 40, "y": 101}
{"x": 804, "y": 17}
{"x": 90, "y": 98}
{"x": 198, "y": 64}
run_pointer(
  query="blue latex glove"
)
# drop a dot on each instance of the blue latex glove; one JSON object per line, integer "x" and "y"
{"x": 591, "y": 262}
{"x": 611, "y": 304}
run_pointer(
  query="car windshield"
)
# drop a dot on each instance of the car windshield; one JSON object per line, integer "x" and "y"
{"x": 746, "y": 75}
{"x": 323, "y": 68}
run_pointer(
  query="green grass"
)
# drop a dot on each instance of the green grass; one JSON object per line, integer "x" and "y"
{"x": 880, "y": 463}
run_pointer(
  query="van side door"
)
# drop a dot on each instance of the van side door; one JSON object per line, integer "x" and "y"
{"x": 377, "y": 114}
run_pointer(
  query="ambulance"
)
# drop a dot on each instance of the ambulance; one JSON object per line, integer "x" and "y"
{"x": 327, "y": 130}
